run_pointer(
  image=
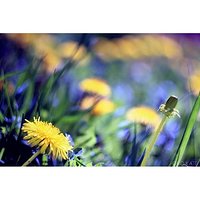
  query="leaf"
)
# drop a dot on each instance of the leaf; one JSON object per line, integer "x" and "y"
{"x": 187, "y": 133}
{"x": 8, "y": 75}
{"x": 28, "y": 98}
{"x": 1, "y": 117}
{"x": 85, "y": 141}
{"x": 70, "y": 119}
{"x": 8, "y": 98}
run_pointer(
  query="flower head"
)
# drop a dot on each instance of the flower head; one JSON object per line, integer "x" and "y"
{"x": 107, "y": 49}
{"x": 168, "y": 108}
{"x": 72, "y": 50}
{"x": 51, "y": 62}
{"x": 96, "y": 86}
{"x": 47, "y": 137}
{"x": 100, "y": 106}
{"x": 144, "y": 115}
{"x": 43, "y": 44}
{"x": 137, "y": 47}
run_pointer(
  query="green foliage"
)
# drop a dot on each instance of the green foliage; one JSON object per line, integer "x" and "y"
{"x": 187, "y": 133}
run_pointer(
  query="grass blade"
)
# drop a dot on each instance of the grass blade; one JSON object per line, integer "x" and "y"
{"x": 188, "y": 130}
{"x": 8, "y": 75}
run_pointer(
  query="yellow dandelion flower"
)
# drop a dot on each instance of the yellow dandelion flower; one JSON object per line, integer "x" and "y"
{"x": 101, "y": 106}
{"x": 51, "y": 62}
{"x": 41, "y": 49}
{"x": 43, "y": 44}
{"x": 144, "y": 115}
{"x": 194, "y": 82}
{"x": 47, "y": 138}
{"x": 127, "y": 49}
{"x": 104, "y": 106}
{"x": 138, "y": 47}
{"x": 84, "y": 61}
{"x": 72, "y": 50}
{"x": 153, "y": 44}
{"x": 107, "y": 49}
{"x": 96, "y": 86}
{"x": 171, "y": 49}
{"x": 88, "y": 102}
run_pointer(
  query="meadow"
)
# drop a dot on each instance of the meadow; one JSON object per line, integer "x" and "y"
{"x": 83, "y": 100}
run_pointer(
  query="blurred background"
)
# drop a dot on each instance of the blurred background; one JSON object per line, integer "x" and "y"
{"x": 107, "y": 96}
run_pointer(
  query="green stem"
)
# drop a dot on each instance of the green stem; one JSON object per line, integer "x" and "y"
{"x": 76, "y": 159}
{"x": 2, "y": 152}
{"x": 153, "y": 140}
{"x": 44, "y": 160}
{"x": 31, "y": 158}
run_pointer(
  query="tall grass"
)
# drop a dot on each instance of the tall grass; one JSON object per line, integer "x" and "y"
{"x": 187, "y": 133}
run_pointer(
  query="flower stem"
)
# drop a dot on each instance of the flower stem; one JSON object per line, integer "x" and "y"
{"x": 2, "y": 152}
{"x": 153, "y": 140}
{"x": 31, "y": 158}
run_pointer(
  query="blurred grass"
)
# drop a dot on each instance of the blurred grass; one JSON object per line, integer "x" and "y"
{"x": 187, "y": 133}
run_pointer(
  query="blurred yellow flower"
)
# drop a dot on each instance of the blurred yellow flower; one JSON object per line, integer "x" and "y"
{"x": 72, "y": 50}
{"x": 100, "y": 106}
{"x": 107, "y": 49}
{"x": 47, "y": 138}
{"x": 138, "y": 47}
{"x": 127, "y": 49}
{"x": 88, "y": 102}
{"x": 194, "y": 82}
{"x": 43, "y": 44}
{"x": 104, "y": 106}
{"x": 96, "y": 86}
{"x": 171, "y": 49}
{"x": 143, "y": 115}
{"x": 24, "y": 39}
{"x": 141, "y": 48}
{"x": 153, "y": 45}
{"x": 85, "y": 60}
{"x": 51, "y": 62}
